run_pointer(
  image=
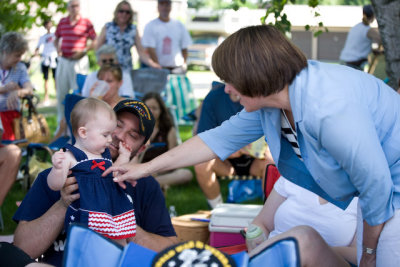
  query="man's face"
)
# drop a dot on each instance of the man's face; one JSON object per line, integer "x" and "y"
{"x": 74, "y": 8}
{"x": 164, "y": 8}
{"x": 127, "y": 131}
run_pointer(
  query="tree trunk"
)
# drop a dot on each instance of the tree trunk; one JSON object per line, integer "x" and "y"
{"x": 387, "y": 14}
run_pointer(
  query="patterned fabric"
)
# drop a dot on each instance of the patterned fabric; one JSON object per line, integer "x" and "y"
{"x": 122, "y": 42}
{"x": 17, "y": 74}
{"x": 103, "y": 205}
{"x": 74, "y": 37}
{"x": 290, "y": 134}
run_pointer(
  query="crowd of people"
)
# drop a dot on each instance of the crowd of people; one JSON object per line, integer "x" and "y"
{"x": 332, "y": 131}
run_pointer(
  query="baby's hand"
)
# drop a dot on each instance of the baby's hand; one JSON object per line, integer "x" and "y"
{"x": 58, "y": 159}
{"x": 124, "y": 149}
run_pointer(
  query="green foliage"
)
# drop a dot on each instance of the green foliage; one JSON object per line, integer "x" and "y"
{"x": 21, "y": 15}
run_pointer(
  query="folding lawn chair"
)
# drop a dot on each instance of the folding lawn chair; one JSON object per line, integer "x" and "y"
{"x": 149, "y": 80}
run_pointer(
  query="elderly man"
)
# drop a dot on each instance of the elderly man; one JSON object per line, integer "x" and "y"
{"x": 74, "y": 33}
{"x": 167, "y": 40}
{"x": 41, "y": 215}
{"x": 107, "y": 55}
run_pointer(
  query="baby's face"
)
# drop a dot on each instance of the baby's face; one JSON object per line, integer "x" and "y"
{"x": 99, "y": 131}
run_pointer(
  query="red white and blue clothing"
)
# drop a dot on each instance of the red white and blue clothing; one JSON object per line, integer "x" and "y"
{"x": 103, "y": 205}
{"x": 147, "y": 201}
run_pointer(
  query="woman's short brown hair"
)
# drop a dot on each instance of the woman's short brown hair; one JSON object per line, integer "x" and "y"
{"x": 119, "y": 6}
{"x": 258, "y": 60}
{"x": 114, "y": 69}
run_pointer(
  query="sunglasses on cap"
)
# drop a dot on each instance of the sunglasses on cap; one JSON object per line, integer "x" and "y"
{"x": 124, "y": 11}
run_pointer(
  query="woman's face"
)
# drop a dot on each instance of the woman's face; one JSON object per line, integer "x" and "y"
{"x": 10, "y": 60}
{"x": 113, "y": 83}
{"x": 154, "y": 107}
{"x": 123, "y": 14}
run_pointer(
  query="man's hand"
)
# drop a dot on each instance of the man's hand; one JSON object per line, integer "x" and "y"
{"x": 78, "y": 55}
{"x": 67, "y": 196}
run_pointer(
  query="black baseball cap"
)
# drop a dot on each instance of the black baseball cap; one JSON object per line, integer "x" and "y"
{"x": 146, "y": 118}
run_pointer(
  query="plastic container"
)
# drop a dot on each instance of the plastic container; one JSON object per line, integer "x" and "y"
{"x": 100, "y": 89}
{"x": 254, "y": 236}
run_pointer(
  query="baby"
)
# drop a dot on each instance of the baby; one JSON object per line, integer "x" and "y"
{"x": 103, "y": 205}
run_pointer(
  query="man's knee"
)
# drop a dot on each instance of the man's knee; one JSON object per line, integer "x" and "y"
{"x": 14, "y": 153}
{"x": 307, "y": 237}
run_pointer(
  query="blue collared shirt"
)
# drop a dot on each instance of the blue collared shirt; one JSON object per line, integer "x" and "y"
{"x": 348, "y": 129}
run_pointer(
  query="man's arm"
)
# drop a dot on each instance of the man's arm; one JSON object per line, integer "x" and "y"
{"x": 152, "y": 53}
{"x": 153, "y": 241}
{"x": 374, "y": 35}
{"x": 35, "y": 237}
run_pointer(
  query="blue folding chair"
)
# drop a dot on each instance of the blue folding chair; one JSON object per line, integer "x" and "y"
{"x": 282, "y": 253}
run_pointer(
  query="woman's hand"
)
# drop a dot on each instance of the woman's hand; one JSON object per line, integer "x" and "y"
{"x": 12, "y": 100}
{"x": 67, "y": 196}
{"x": 11, "y": 86}
{"x": 127, "y": 172}
{"x": 367, "y": 260}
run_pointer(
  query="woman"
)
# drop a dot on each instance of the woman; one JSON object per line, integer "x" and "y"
{"x": 293, "y": 211}
{"x": 122, "y": 34}
{"x": 112, "y": 75}
{"x": 341, "y": 135}
{"x": 164, "y": 133}
{"x": 15, "y": 82}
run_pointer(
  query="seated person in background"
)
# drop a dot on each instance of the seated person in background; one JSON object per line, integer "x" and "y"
{"x": 10, "y": 157}
{"x": 164, "y": 132}
{"x": 41, "y": 215}
{"x": 14, "y": 82}
{"x": 326, "y": 234}
{"x": 216, "y": 108}
{"x": 102, "y": 201}
{"x": 112, "y": 75}
{"x": 107, "y": 55}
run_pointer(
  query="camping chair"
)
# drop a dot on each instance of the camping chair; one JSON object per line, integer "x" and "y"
{"x": 282, "y": 253}
{"x": 180, "y": 98}
{"x": 271, "y": 176}
{"x": 149, "y": 80}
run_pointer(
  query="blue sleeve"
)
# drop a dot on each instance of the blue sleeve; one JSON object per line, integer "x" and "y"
{"x": 235, "y": 133}
{"x": 150, "y": 210}
{"x": 38, "y": 200}
{"x": 23, "y": 74}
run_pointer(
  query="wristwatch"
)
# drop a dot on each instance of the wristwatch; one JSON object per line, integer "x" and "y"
{"x": 369, "y": 251}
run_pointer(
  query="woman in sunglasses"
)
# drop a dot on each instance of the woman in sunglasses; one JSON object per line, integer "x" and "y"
{"x": 122, "y": 34}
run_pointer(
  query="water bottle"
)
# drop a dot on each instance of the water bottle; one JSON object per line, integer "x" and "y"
{"x": 172, "y": 211}
{"x": 254, "y": 236}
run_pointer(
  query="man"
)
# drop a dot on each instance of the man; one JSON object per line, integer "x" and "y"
{"x": 107, "y": 55}
{"x": 359, "y": 40}
{"x": 216, "y": 108}
{"x": 74, "y": 32}
{"x": 41, "y": 215}
{"x": 166, "y": 40}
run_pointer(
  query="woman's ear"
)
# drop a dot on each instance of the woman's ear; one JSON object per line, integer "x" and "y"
{"x": 82, "y": 132}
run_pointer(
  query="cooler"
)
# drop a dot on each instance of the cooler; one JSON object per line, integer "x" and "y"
{"x": 226, "y": 222}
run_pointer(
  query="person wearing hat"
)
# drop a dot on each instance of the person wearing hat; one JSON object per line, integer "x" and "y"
{"x": 166, "y": 40}
{"x": 358, "y": 43}
{"x": 41, "y": 214}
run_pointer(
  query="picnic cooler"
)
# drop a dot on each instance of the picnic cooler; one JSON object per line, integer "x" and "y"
{"x": 226, "y": 222}
{"x": 187, "y": 229}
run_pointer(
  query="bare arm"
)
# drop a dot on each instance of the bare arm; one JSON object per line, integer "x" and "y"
{"x": 58, "y": 174}
{"x": 153, "y": 241}
{"x": 374, "y": 35}
{"x": 191, "y": 152}
{"x": 27, "y": 89}
{"x": 101, "y": 39}
{"x": 35, "y": 237}
{"x": 152, "y": 53}
{"x": 57, "y": 45}
{"x": 172, "y": 142}
{"x": 184, "y": 54}
{"x": 370, "y": 240}
{"x": 349, "y": 253}
{"x": 144, "y": 57}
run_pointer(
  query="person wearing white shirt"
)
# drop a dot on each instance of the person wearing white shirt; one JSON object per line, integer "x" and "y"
{"x": 166, "y": 40}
